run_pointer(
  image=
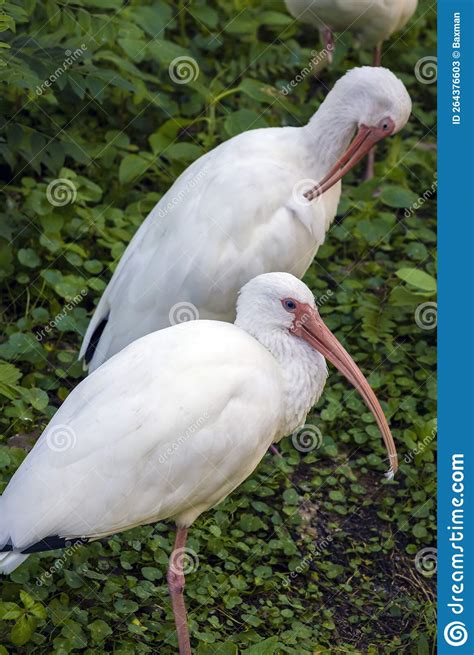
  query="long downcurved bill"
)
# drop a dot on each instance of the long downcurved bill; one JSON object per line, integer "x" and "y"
{"x": 362, "y": 143}
{"x": 310, "y": 327}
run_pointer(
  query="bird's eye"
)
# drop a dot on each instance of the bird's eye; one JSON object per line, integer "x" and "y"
{"x": 289, "y": 305}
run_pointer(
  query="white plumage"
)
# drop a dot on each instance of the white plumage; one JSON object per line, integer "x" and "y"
{"x": 165, "y": 429}
{"x": 237, "y": 212}
{"x": 173, "y": 423}
{"x": 371, "y": 21}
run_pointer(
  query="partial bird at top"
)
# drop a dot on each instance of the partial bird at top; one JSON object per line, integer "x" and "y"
{"x": 258, "y": 203}
{"x": 371, "y": 21}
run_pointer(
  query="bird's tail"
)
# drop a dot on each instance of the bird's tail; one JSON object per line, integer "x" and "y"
{"x": 10, "y": 560}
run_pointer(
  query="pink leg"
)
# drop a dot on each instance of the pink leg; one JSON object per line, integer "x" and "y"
{"x": 328, "y": 40}
{"x": 369, "y": 171}
{"x": 176, "y": 587}
{"x": 377, "y": 61}
{"x": 275, "y": 451}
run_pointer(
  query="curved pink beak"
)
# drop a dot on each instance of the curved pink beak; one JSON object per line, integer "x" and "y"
{"x": 309, "y": 326}
{"x": 360, "y": 146}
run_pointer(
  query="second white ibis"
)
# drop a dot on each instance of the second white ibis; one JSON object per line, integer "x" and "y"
{"x": 240, "y": 210}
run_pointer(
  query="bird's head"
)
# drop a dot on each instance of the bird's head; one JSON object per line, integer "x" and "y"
{"x": 281, "y": 302}
{"x": 375, "y": 104}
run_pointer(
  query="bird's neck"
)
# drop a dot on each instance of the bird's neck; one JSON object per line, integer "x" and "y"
{"x": 329, "y": 133}
{"x": 304, "y": 374}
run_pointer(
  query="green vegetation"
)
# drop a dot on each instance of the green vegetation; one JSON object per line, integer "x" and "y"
{"x": 316, "y": 552}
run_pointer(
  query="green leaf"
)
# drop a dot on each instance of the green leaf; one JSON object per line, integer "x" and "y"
{"x": 242, "y": 120}
{"x": 23, "y": 630}
{"x": 397, "y": 196}
{"x": 74, "y": 633}
{"x": 259, "y": 90}
{"x": 99, "y": 630}
{"x": 265, "y": 647}
{"x": 152, "y": 19}
{"x": 417, "y": 278}
{"x": 10, "y": 611}
{"x": 9, "y": 374}
{"x": 131, "y": 167}
{"x": 166, "y": 51}
{"x": 275, "y": 18}
{"x": 183, "y": 151}
{"x": 423, "y": 645}
{"x": 125, "y": 606}
{"x": 37, "y": 398}
{"x": 28, "y": 257}
{"x": 419, "y": 531}
{"x": 27, "y": 600}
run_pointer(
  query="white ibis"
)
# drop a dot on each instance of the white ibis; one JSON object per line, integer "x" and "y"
{"x": 371, "y": 21}
{"x": 174, "y": 423}
{"x": 240, "y": 210}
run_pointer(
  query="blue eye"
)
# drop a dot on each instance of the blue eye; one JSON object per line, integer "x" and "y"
{"x": 289, "y": 305}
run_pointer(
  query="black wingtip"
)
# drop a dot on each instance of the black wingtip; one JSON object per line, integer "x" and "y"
{"x": 94, "y": 340}
{"x": 48, "y": 543}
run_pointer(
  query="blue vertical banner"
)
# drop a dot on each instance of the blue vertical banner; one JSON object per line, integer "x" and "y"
{"x": 456, "y": 327}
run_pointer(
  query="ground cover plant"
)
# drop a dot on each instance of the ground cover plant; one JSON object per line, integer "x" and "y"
{"x": 315, "y": 553}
